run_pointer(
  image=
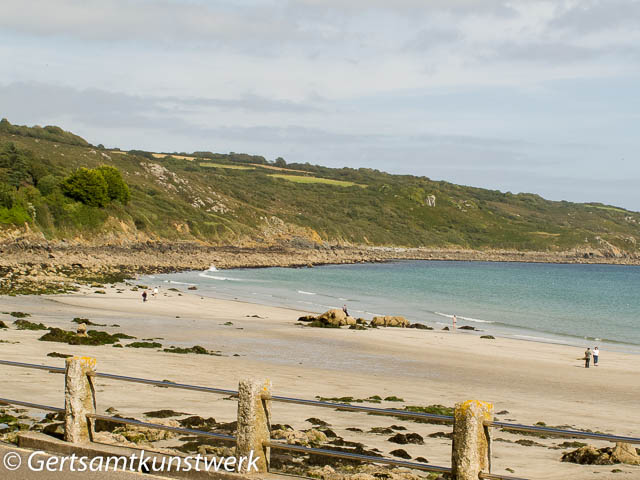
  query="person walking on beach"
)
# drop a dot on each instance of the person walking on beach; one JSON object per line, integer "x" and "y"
{"x": 155, "y": 292}
{"x": 454, "y": 322}
{"x": 587, "y": 357}
{"x": 344, "y": 309}
{"x": 144, "y": 296}
{"x": 596, "y": 353}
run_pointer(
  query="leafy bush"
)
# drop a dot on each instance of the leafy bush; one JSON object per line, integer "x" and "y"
{"x": 116, "y": 188}
{"x": 48, "y": 184}
{"x": 86, "y": 186}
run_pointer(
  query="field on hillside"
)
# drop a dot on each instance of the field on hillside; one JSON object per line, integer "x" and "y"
{"x": 306, "y": 179}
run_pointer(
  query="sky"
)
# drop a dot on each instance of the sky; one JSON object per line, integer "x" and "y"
{"x": 520, "y": 96}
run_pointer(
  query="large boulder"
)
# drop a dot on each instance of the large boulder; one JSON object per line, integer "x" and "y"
{"x": 389, "y": 321}
{"x": 590, "y": 455}
{"x": 335, "y": 317}
{"x": 625, "y": 453}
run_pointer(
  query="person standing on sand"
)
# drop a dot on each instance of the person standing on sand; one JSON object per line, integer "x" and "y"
{"x": 454, "y": 322}
{"x": 587, "y": 357}
{"x": 155, "y": 292}
{"x": 596, "y": 353}
{"x": 144, "y": 296}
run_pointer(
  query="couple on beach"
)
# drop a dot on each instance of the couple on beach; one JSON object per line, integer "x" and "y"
{"x": 145, "y": 295}
{"x": 588, "y": 354}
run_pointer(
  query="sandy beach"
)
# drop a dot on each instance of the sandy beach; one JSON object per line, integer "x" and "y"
{"x": 533, "y": 382}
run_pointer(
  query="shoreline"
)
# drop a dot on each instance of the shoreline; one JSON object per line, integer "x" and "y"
{"x": 554, "y": 339}
{"x": 39, "y": 267}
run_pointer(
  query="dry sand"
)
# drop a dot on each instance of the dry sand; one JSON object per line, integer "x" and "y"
{"x": 532, "y": 381}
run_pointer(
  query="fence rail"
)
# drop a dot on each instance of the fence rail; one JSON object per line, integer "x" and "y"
{"x": 264, "y": 397}
{"x": 35, "y": 406}
{"x": 561, "y": 433}
{"x": 157, "y": 426}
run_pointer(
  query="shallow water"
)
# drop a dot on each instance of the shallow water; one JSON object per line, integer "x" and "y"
{"x": 570, "y": 304}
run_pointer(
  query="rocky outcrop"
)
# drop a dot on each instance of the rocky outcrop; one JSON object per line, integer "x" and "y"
{"x": 389, "y": 321}
{"x": 590, "y": 455}
{"x": 305, "y": 438}
{"x": 333, "y": 318}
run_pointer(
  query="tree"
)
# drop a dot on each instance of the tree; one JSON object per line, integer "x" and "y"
{"x": 280, "y": 162}
{"x": 116, "y": 188}
{"x": 86, "y": 186}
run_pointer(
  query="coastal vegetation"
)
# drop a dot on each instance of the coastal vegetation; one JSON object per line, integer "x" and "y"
{"x": 58, "y": 185}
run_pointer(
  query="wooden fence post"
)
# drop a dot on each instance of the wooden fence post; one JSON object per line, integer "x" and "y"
{"x": 471, "y": 452}
{"x": 254, "y": 423}
{"x": 79, "y": 398}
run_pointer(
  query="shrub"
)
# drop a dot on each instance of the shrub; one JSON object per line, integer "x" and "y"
{"x": 47, "y": 184}
{"x": 117, "y": 189}
{"x": 86, "y": 186}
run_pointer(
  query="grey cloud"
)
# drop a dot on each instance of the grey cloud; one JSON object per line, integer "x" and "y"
{"x": 249, "y": 102}
{"x": 549, "y": 52}
{"x": 259, "y": 27}
{"x": 35, "y": 100}
{"x": 165, "y": 22}
{"x": 589, "y": 16}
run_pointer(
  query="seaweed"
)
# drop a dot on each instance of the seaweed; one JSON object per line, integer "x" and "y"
{"x": 27, "y": 325}
{"x": 145, "y": 345}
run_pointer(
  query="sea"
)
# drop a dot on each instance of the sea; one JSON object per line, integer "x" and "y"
{"x": 581, "y": 305}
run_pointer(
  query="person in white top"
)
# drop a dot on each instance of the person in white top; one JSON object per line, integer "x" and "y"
{"x": 596, "y": 353}
{"x": 155, "y": 291}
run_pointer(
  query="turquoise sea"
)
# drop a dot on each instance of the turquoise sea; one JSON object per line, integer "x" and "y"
{"x": 572, "y": 304}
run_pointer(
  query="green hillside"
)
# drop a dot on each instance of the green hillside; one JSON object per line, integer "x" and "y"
{"x": 206, "y": 197}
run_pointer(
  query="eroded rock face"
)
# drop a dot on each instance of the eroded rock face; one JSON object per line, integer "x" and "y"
{"x": 389, "y": 321}
{"x": 590, "y": 455}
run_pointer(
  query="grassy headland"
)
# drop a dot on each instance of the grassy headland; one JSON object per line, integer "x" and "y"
{"x": 236, "y": 199}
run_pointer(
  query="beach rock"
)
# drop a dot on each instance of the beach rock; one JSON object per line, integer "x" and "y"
{"x": 317, "y": 422}
{"x": 400, "y": 453}
{"x": 55, "y": 430}
{"x": 488, "y": 337}
{"x": 446, "y": 328}
{"x": 420, "y": 326}
{"x": 198, "y": 423}
{"x": 590, "y": 455}
{"x": 466, "y": 327}
{"x": 625, "y": 453}
{"x": 81, "y": 331}
{"x": 389, "y": 321}
{"x": 334, "y": 317}
{"x": 307, "y": 318}
{"x": 404, "y": 439}
{"x": 305, "y": 438}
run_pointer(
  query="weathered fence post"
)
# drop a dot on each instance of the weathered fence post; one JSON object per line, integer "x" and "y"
{"x": 471, "y": 453}
{"x": 79, "y": 398}
{"x": 254, "y": 422}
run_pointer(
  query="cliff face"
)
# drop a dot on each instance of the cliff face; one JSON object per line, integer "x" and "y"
{"x": 215, "y": 199}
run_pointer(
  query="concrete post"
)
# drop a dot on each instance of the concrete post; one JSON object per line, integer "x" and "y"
{"x": 254, "y": 422}
{"x": 471, "y": 453}
{"x": 79, "y": 398}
